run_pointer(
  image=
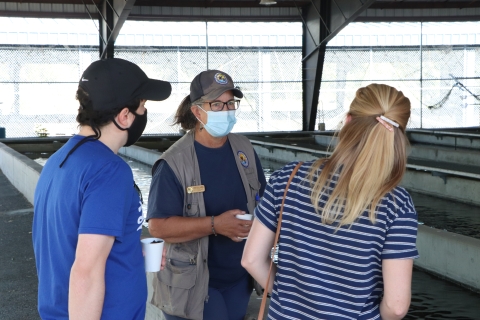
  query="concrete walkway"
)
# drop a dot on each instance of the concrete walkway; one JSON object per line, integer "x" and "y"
{"x": 18, "y": 275}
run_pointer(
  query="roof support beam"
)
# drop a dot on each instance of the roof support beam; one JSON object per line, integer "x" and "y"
{"x": 113, "y": 13}
{"x": 322, "y": 20}
{"x": 316, "y": 21}
{"x": 342, "y": 13}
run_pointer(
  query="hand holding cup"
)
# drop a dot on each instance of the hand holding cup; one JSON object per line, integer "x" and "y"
{"x": 245, "y": 216}
{"x": 153, "y": 252}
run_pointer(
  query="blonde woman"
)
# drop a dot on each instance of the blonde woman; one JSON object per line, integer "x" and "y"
{"x": 347, "y": 239}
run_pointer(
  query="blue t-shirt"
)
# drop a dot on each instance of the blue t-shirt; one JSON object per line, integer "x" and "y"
{"x": 93, "y": 193}
{"x": 329, "y": 273}
{"x": 223, "y": 191}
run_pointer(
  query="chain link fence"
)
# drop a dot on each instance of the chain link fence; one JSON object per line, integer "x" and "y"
{"x": 442, "y": 82}
{"x": 38, "y": 85}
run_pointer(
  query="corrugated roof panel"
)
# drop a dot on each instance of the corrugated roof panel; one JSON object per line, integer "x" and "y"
{"x": 276, "y": 11}
{"x": 82, "y": 8}
{"x": 232, "y": 11}
{"x": 23, "y": 7}
{"x": 10, "y": 6}
{"x": 165, "y": 11}
{"x": 289, "y": 12}
{"x": 156, "y": 10}
{"x": 75, "y": 8}
{"x": 69, "y": 8}
{"x": 190, "y": 11}
{"x": 177, "y": 11}
{"x": 214, "y": 11}
{"x": 259, "y": 12}
{"x": 245, "y": 12}
{"x": 412, "y": 13}
{"x": 407, "y": 12}
{"x": 46, "y": 7}
{"x": 141, "y": 10}
{"x": 227, "y": 11}
{"x": 146, "y": 11}
{"x": 57, "y": 7}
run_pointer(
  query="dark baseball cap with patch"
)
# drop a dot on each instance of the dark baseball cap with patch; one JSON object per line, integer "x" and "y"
{"x": 113, "y": 83}
{"x": 211, "y": 84}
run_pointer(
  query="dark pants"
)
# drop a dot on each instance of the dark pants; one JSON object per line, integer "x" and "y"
{"x": 225, "y": 304}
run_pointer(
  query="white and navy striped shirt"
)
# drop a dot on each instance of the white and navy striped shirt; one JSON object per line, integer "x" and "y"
{"x": 323, "y": 274}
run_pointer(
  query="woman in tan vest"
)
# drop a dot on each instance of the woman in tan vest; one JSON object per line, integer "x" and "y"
{"x": 199, "y": 186}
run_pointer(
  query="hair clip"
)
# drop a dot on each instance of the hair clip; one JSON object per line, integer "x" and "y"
{"x": 383, "y": 120}
{"x": 393, "y": 123}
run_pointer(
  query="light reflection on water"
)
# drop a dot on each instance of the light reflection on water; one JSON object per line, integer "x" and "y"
{"x": 448, "y": 215}
{"x": 432, "y": 298}
{"x": 41, "y": 161}
{"x": 142, "y": 174}
{"x": 435, "y": 212}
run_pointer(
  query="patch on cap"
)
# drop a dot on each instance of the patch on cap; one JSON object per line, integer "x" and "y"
{"x": 221, "y": 78}
{"x": 243, "y": 158}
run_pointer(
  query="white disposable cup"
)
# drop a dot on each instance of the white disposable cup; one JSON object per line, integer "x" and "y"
{"x": 245, "y": 216}
{"x": 153, "y": 251}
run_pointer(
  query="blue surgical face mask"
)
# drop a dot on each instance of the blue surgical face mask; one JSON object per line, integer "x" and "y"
{"x": 219, "y": 123}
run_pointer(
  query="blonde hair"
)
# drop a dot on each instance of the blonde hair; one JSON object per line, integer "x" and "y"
{"x": 369, "y": 159}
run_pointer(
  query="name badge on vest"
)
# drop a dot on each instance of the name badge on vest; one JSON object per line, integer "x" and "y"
{"x": 196, "y": 189}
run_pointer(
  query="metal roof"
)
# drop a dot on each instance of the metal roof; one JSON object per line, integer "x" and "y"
{"x": 251, "y": 10}
{"x": 165, "y": 10}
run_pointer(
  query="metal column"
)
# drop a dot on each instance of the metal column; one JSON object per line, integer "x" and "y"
{"x": 112, "y": 15}
{"x": 105, "y": 21}
{"x": 316, "y": 19}
{"x": 322, "y": 20}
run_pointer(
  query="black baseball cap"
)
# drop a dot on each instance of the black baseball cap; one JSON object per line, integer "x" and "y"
{"x": 113, "y": 83}
{"x": 211, "y": 84}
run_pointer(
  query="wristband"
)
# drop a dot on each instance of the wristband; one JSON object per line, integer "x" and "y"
{"x": 213, "y": 229}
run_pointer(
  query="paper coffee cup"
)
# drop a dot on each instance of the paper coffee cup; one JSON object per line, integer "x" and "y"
{"x": 152, "y": 250}
{"x": 245, "y": 216}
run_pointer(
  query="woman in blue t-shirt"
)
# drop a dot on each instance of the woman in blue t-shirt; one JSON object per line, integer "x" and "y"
{"x": 348, "y": 231}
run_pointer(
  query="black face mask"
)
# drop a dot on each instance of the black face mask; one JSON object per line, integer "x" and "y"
{"x": 136, "y": 129}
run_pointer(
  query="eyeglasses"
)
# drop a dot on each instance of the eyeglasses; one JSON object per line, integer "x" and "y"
{"x": 219, "y": 105}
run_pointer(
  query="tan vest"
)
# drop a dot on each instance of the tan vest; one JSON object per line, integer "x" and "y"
{"x": 182, "y": 287}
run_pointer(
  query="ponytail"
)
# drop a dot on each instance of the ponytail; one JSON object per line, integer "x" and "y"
{"x": 184, "y": 116}
{"x": 369, "y": 160}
